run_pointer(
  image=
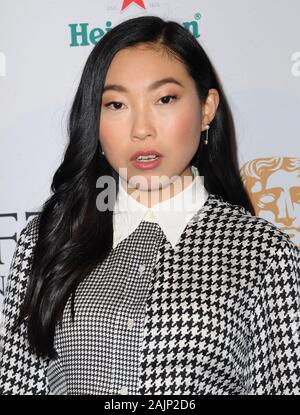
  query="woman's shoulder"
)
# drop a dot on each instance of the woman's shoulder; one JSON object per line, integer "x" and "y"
{"x": 254, "y": 229}
{"x": 29, "y": 233}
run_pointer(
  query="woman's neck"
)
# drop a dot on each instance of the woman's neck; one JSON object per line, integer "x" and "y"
{"x": 151, "y": 197}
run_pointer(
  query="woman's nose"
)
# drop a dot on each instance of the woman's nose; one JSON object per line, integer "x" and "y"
{"x": 142, "y": 126}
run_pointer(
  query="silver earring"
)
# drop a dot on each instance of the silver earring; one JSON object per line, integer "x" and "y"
{"x": 206, "y": 138}
{"x": 102, "y": 152}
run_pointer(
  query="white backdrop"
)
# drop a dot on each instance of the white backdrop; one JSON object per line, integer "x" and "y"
{"x": 254, "y": 45}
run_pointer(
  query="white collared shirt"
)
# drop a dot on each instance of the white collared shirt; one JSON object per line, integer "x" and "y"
{"x": 172, "y": 215}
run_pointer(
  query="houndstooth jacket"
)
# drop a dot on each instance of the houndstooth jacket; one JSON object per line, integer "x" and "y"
{"x": 216, "y": 314}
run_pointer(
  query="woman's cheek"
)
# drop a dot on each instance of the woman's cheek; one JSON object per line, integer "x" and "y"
{"x": 109, "y": 134}
{"x": 178, "y": 125}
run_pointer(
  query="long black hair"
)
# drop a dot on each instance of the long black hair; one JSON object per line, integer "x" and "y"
{"x": 74, "y": 236}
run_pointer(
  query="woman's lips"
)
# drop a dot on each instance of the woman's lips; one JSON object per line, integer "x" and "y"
{"x": 146, "y": 165}
{"x": 144, "y": 153}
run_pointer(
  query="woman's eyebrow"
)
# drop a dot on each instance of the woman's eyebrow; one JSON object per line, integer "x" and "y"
{"x": 154, "y": 85}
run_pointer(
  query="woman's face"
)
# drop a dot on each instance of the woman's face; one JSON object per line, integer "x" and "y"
{"x": 138, "y": 117}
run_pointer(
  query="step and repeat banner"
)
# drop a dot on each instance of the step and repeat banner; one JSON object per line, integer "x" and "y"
{"x": 253, "y": 44}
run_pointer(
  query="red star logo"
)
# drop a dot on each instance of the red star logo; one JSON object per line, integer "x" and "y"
{"x": 126, "y": 3}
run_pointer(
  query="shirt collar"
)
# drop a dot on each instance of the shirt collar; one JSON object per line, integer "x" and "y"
{"x": 172, "y": 215}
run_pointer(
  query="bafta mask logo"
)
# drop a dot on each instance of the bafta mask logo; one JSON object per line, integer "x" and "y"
{"x": 273, "y": 185}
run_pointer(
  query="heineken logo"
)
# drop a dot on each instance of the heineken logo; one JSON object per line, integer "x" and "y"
{"x": 82, "y": 34}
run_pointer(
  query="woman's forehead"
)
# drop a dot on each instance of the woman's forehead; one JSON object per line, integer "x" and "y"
{"x": 146, "y": 69}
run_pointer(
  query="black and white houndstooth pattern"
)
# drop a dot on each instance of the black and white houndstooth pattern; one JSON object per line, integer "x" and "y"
{"x": 219, "y": 314}
{"x": 21, "y": 372}
{"x": 99, "y": 353}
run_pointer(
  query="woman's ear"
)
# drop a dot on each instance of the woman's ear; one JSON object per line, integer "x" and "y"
{"x": 210, "y": 107}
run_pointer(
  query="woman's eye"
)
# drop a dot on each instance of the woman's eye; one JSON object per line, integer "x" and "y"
{"x": 169, "y": 96}
{"x": 113, "y": 102}
{"x": 119, "y": 104}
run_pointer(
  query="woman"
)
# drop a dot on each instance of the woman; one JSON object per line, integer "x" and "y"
{"x": 129, "y": 291}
